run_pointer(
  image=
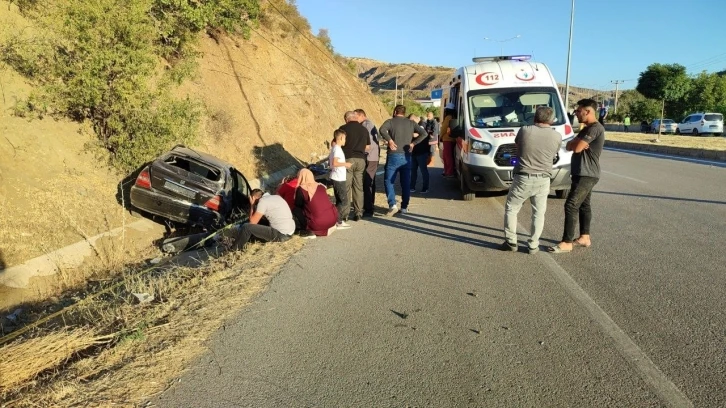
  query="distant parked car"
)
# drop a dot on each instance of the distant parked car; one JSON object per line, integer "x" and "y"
{"x": 668, "y": 126}
{"x": 191, "y": 188}
{"x": 701, "y": 124}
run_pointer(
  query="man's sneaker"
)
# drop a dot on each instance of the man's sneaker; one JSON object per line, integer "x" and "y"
{"x": 307, "y": 235}
{"x": 532, "y": 251}
{"x": 413, "y": 190}
{"x": 425, "y": 191}
{"x": 391, "y": 211}
{"x": 342, "y": 225}
{"x": 506, "y": 246}
{"x": 404, "y": 210}
{"x": 357, "y": 217}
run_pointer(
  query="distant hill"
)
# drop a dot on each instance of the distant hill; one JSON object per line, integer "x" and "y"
{"x": 417, "y": 80}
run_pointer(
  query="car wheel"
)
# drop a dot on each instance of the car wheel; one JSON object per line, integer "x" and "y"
{"x": 678, "y": 131}
{"x": 562, "y": 193}
{"x": 717, "y": 134}
{"x": 466, "y": 193}
{"x": 695, "y": 132}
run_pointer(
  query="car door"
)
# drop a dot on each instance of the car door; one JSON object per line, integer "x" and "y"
{"x": 240, "y": 191}
{"x": 695, "y": 123}
{"x": 685, "y": 126}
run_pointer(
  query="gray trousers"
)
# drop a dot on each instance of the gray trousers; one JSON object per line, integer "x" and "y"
{"x": 354, "y": 182}
{"x": 536, "y": 188}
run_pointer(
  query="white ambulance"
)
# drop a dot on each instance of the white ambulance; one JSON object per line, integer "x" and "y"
{"x": 493, "y": 99}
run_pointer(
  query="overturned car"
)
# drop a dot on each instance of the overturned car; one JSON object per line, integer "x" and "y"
{"x": 192, "y": 188}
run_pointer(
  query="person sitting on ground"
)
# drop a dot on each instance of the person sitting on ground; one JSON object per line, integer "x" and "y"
{"x": 338, "y": 167}
{"x": 277, "y": 213}
{"x": 286, "y": 190}
{"x": 312, "y": 199}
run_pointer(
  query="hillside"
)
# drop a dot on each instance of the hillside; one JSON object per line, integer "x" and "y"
{"x": 418, "y": 80}
{"x": 269, "y": 102}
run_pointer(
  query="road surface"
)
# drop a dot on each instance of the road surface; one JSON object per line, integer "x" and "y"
{"x": 422, "y": 310}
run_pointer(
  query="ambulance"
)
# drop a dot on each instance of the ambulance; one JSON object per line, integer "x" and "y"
{"x": 494, "y": 98}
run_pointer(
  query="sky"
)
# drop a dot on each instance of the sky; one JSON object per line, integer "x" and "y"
{"x": 612, "y": 39}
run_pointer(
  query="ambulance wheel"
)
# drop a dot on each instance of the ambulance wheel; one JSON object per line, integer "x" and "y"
{"x": 562, "y": 193}
{"x": 466, "y": 193}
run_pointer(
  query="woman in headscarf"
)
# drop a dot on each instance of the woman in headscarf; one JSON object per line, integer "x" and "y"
{"x": 312, "y": 198}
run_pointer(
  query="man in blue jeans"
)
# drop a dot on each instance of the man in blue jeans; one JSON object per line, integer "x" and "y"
{"x": 398, "y": 132}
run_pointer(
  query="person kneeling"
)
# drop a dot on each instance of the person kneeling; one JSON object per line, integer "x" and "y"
{"x": 312, "y": 198}
{"x": 278, "y": 215}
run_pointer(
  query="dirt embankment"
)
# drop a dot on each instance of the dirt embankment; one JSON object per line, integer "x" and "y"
{"x": 271, "y": 101}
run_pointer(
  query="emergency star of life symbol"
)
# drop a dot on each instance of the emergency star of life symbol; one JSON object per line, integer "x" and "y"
{"x": 524, "y": 75}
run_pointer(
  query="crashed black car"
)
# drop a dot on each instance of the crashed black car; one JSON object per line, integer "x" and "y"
{"x": 192, "y": 188}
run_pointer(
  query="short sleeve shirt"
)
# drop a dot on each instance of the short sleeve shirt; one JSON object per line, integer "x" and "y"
{"x": 587, "y": 162}
{"x": 277, "y": 212}
{"x": 337, "y": 173}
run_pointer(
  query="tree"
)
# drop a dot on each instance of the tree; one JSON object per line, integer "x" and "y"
{"x": 664, "y": 82}
{"x": 324, "y": 38}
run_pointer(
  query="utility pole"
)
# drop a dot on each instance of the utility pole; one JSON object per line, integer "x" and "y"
{"x": 395, "y": 95}
{"x": 569, "y": 56}
{"x": 616, "y": 82}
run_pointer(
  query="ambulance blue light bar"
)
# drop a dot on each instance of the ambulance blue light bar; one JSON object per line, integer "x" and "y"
{"x": 503, "y": 58}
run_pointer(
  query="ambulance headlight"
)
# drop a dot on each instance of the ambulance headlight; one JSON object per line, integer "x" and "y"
{"x": 480, "y": 147}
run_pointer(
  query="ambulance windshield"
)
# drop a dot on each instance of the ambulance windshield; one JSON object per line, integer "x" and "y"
{"x": 511, "y": 107}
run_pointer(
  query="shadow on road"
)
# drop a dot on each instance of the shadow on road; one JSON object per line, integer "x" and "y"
{"x": 424, "y": 219}
{"x": 2, "y": 261}
{"x": 440, "y": 233}
{"x": 692, "y": 200}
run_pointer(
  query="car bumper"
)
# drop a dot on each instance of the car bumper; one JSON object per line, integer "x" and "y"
{"x": 491, "y": 179}
{"x": 174, "y": 210}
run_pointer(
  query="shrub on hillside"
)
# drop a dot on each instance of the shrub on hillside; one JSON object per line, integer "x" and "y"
{"x": 100, "y": 63}
{"x": 287, "y": 16}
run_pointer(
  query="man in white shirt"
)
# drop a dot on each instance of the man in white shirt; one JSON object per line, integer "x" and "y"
{"x": 277, "y": 212}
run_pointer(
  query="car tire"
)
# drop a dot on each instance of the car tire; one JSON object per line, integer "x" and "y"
{"x": 695, "y": 132}
{"x": 717, "y": 134}
{"x": 466, "y": 193}
{"x": 562, "y": 193}
{"x": 678, "y": 131}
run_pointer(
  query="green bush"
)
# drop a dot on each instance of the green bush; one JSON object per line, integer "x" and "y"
{"x": 99, "y": 62}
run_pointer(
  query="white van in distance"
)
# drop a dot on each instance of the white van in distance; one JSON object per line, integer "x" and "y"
{"x": 494, "y": 98}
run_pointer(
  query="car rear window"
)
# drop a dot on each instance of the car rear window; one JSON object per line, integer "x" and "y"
{"x": 667, "y": 121}
{"x": 194, "y": 167}
{"x": 713, "y": 116}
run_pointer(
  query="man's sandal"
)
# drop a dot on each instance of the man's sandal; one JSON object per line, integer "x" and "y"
{"x": 558, "y": 250}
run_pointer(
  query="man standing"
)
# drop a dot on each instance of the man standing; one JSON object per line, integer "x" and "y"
{"x": 586, "y": 148}
{"x": 357, "y": 144}
{"x": 374, "y": 154}
{"x": 422, "y": 153}
{"x": 603, "y": 114}
{"x": 278, "y": 214}
{"x": 537, "y": 147}
{"x": 398, "y": 133}
{"x": 626, "y": 123}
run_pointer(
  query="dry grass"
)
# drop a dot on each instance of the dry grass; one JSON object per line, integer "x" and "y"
{"x": 152, "y": 342}
{"x": 706, "y": 143}
{"x": 27, "y": 359}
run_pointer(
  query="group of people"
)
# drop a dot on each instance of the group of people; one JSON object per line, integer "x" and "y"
{"x": 302, "y": 205}
{"x": 537, "y": 146}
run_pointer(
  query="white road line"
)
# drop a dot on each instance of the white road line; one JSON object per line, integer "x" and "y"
{"x": 668, "y": 392}
{"x": 625, "y": 177}
{"x": 666, "y": 156}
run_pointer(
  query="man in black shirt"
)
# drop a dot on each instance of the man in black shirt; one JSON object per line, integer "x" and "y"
{"x": 357, "y": 143}
{"x": 586, "y": 147}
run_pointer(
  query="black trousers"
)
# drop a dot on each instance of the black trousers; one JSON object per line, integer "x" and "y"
{"x": 577, "y": 206}
{"x": 369, "y": 186}
{"x": 263, "y": 233}
{"x": 341, "y": 200}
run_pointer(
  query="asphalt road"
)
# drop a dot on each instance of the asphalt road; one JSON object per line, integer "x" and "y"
{"x": 422, "y": 310}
